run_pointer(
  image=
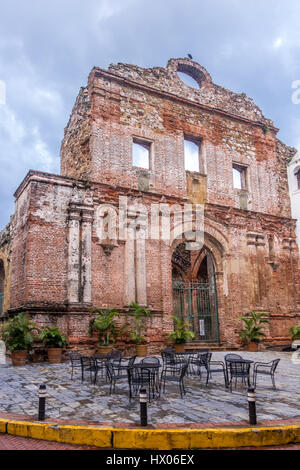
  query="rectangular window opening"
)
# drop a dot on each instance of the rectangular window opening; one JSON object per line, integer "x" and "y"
{"x": 141, "y": 154}
{"x": 191, "y": 155}
{"x": 239, "y": 176}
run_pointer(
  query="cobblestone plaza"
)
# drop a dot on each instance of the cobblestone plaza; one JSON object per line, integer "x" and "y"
{"x": 72, "y": 400}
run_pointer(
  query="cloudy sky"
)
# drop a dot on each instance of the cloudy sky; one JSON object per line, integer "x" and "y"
{"x": 47, "y": 49}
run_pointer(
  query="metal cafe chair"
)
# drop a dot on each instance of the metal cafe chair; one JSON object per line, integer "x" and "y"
{"x": 227, "y": 360}
{"x": 174, "y": 373}
{"x": 167, "y": 358}
{"x": 213, "y": 367}
{"x": 140, "y": 377}
{"x": 88, "y": 364}
{"x": 122, "y": 365}
{"x": 197, "y": 361}
{"x": 75, "y": 359}
{"x": 265, "y": 368}
{"x": 115, "y": 354}
{"x": 239, "y": 369}
{"x": 114, "y": 374}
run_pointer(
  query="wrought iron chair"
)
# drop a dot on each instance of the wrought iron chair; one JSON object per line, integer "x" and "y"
{"x": 227, "y": 361}
{"x": 202, "y": 360}
{"x": 174, "y": 373}
{"x": 115, "y": 354}
{"x": 140, "y": 377}
{"x": 116, "y": 371}
{"x": 239, "y": 369}
{"x": 123, "y": 365}
{"x": 75, "y": 359}
{"x": 212, "y": 367}
{"x": 88, "y": 364}
{"x": 100, "y": 366}
{"x": 168, "y": 358}
{"x": 169, "y": 350}
{"x": 196, "y": 361}
{"x": 265, "y": 368}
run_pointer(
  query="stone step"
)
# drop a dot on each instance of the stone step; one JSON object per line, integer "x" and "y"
{"x": 210, "y": 346}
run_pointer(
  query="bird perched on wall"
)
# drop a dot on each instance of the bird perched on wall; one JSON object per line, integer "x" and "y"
{"x": 189, "y": 56}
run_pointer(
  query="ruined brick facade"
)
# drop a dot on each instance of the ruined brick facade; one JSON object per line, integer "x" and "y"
{"x": 60, "y": 266}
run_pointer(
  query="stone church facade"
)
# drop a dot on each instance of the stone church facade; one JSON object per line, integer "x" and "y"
{"x": 107, "y": 230}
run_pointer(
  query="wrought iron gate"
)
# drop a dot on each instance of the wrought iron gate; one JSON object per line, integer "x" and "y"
{"x": 196, "y": 303}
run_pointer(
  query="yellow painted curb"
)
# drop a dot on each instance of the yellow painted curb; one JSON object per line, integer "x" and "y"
{"x": 167, "y": 439}
{"x": 83, "y": 435}
{"x": 3, "y": 425}
{"x": 160, "y": 439}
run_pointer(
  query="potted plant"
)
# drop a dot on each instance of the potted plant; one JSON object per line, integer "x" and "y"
{"x": 139, "y": 314}
{"x": 181, "y": 334}
{"x": 54, "y": 341}
{"x": 18, "y": 336}
{"x": 294, "y": 331}
{"x": 252, "y": 332}
{"x": 104, "y": 323}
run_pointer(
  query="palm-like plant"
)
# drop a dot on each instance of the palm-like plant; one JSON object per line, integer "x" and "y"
{"x": 254, "y": 324}
{"x": 182, "y": 332}
{"x": 294, "y": 331}
{"x": 105, "y": 324}
{"x": 139, "y": 313}
{"x": 52, "y": 337}
{"x": 17, "y": 333}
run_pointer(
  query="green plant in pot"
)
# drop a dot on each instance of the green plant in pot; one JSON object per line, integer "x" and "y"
{"x": 53, "y": 339}
{"x": 139, "y": 313}
{"x": 252, "y": 331}
{"x": 182, "y": 334}
{"x": 294, "y": 331}
{"x": 18, "y": 336}
{"x": 104, "y": 323}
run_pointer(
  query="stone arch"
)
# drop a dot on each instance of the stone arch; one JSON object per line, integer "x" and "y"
{"x": 191, "y": 68}
{"x": 214, "y": 244}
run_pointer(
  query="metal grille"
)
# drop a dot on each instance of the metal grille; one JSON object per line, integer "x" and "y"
{"x": 196, "y": 303}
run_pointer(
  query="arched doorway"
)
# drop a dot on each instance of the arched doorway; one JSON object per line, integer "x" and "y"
{"x": 2, "y": 279}
{"x": 194, "y": 291}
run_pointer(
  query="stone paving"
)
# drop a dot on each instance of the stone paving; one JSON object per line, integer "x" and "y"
{"x": 84, "y": 402}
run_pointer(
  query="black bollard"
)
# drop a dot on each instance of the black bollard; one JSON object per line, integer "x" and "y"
{"x": 42, "y": 402}
{"x": 143, "y": 406}
{"x": 252, "y": 405}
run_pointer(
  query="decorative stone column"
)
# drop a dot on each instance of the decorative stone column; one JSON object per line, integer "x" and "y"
{"x": 86, "y": 255}
{"x": 141, "y": 281}
{"x": 74, "y": 253}
{"x": 130, "y": 291}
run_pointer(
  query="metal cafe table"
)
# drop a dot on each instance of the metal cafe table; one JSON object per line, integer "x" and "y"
{"x": 143, "y": 375}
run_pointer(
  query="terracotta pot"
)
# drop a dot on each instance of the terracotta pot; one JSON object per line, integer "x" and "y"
{"x": 252, "y": 346}
{"x": 179, "y": 347}
{"x": 104, "y": 349}
{"x": 141, "y": 350}
{"x": 18, "y": 358}
{"x": 54, "y": 355}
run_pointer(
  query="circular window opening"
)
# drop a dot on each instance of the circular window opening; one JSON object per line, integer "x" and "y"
{"x": 190, "y": 75}
{"x": 188, "y": 80}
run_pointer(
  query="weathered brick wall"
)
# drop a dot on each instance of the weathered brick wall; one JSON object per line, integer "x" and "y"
{"x": 127, "y": 101}
{"x": 5, "y": 259}
{"x": 60, "y": 266}
{"x": 75, "y": 148}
